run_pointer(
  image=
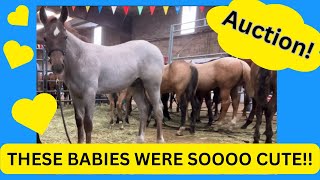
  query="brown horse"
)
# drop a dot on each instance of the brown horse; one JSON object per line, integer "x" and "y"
{"x": 116, "y": 105}
{"x": 264, "y": 83}
{"x": 181, "y": 78}
{"x": 227, "y": 74}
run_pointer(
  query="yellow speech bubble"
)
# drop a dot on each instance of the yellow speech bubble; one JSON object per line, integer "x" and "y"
{"x": 274, "y": 36}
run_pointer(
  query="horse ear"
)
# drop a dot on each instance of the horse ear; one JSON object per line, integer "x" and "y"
{"x": 64, "y": 14}
{"x": 43, "y": 15}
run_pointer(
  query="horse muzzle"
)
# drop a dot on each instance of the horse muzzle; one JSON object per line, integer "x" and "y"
{"x": 58, "y": 68}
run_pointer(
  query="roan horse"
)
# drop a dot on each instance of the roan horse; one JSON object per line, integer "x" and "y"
{"x": 88, "y": 69}
{"x": 227, "y": 74}
{"x": 264, "y": 82}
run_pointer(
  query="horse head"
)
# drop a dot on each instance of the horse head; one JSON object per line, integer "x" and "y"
{"x": 55, "y": 38}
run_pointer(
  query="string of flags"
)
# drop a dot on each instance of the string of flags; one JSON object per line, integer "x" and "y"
{"x": 140, "y": 9}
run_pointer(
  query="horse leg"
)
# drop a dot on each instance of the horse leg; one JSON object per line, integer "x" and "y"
{"x": 270, "y": 112}
{"x": 256, "y": 136}
{"x": 79, "y": 115}
{"x": 235, "y": 106}
{"x": 199, "y": 97}
{"x": 153, "y": 90}
{"x": 128, "y": 104}
{"x": 164, "y": 99}
{"x": 225, "y": 97}
{"x": 119, "y": 109}
{"x": 195, "y": 107}
{"x": 88, "y": 116}
{"x": 216, "y": 103}
{"x": 171, "y": 100}
{"x": 249, "y": 120}
{"x": 112, "y": 108}
{"x": 209, "y": 106}
{"x": 139, "y": 97}
{"x": 183, "y": 106}
{"x": 246, "y": 104}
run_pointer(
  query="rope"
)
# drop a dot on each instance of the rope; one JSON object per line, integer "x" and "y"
{"x": 61, "y": 109}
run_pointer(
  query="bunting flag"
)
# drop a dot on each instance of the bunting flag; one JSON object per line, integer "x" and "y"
{"x": 113, "y": 9}
{"x": 87, "y": 8}
{"x": 100, "y": 9}
{"x": 152, "y": 8}
{"x": 165, "y": 9}
{"x": 178, "y": 9}
{"x": 201, "y": 8}
{"x": 73, "y": 8}
{"x": 140, "y": 8}
{"x": 126, "y": 9}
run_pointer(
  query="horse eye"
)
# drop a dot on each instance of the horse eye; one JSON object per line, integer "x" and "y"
{"x": 45, "y": 39}
{"x": 66, "y": 37}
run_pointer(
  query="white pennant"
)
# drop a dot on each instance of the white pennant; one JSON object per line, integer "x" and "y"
{"x": 113, "y": 9}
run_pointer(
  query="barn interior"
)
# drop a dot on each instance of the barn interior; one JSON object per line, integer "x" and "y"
{"x": 191, "y": 39}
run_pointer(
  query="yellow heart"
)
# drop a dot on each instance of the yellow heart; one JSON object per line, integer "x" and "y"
{"x": 17, "y": 55}
{"x": 20, "y": 17}
{"x": 37, "y": 114}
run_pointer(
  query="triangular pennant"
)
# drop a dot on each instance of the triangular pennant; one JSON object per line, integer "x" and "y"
{"x": 113, "y": 9}
{"x": 178, "y": 9}
{"x": 201, "y": 8}
{"x": 87, "y": 8}
{"x": 100, "y": 8}
{"x": 73, "y": 8}
{"x": 152, "y": 8}
{"x": 126, "y": 9}
{"x": 165, "y": 9}
{"x": 140, "y": 9}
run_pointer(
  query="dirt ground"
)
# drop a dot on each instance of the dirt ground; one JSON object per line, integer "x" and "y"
{"x": 104, "y": 133}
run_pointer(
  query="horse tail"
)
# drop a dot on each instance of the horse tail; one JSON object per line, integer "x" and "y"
{"x": 193, "y": 83}
{"x": 263, "y": 87}
{"x": 246, "y": 74}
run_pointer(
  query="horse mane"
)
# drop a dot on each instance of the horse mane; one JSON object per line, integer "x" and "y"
{"x": 75, "y": 32}
{"x": 70, "y": 29}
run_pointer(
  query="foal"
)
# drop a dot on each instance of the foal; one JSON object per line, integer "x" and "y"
{"x": 89, "y": 69}
{"x": 264, "y": 82}
{"x": 227, "y": 74}
{"x": 181, "y": 78}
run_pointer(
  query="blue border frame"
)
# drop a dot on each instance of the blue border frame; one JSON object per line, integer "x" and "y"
{"x": 298, "y": 118}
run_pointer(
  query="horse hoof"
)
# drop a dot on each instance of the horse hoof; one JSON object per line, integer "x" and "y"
{"x": 140, "y": 140}
{"x": 179, "y": 133}
{"x": 121, "y": 128}
{"x": 209, "y": 125}
{"x": 160, "y": 141}
{"x": 216, "y": 129}
{"x": 244, "y": 126}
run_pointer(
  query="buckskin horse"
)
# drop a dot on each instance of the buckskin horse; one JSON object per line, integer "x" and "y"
{"x": 264, "y": 82}
{"x": 89, "y": 69}
{"x": 227, "y": 74}
{"x": 181, "y": 78}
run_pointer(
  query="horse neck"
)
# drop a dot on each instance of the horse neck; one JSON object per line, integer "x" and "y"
{"x": 74, "y": 52}
{"x": 74, "y": 47}
{"x": 74, "y": 58}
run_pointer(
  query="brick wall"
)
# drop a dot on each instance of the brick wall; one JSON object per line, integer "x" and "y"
{"x": 156, "y": 29}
